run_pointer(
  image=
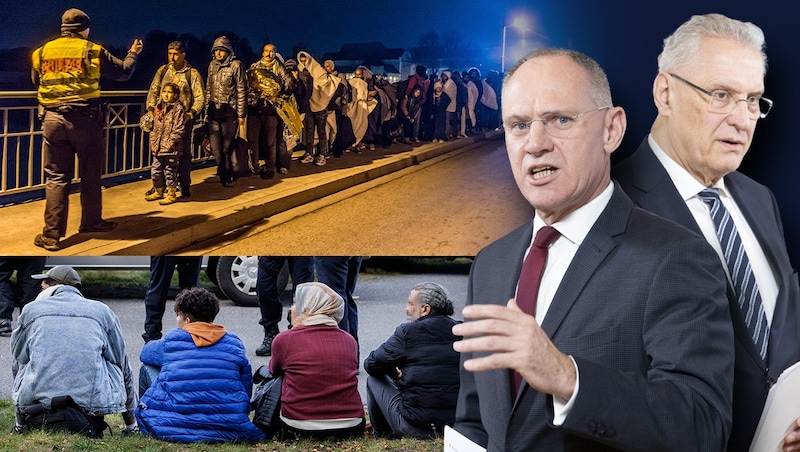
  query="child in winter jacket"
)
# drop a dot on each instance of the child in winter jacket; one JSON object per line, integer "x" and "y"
{"x": 165, "y": 144}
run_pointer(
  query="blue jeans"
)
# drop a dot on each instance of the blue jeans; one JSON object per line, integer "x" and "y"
{"x": 222, "y": 129}
{"x": 147, "y": 375}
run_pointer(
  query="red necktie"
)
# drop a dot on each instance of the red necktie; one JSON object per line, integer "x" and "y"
{"x": 531, "y": 276}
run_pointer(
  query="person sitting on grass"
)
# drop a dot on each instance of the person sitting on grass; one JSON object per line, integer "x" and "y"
{"x": 196, "y": 382}
{"x": 413, "y": 380}
{"x": 66, "y": 345}
{"x": 319, "y": 365}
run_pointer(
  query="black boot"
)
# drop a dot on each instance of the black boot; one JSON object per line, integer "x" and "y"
{"x": 266, "y": 347}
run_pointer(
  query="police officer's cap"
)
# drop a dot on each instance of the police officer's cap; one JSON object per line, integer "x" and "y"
{"x": 74, "y": 20}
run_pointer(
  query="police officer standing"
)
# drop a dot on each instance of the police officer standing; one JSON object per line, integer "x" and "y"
{"x": 67, "y": 72}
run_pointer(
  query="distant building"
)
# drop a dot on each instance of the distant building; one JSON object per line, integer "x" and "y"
{"x": 394, "y": 63}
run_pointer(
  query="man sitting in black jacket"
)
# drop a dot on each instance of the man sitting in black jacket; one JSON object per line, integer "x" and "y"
{"x": 413, "y": 377}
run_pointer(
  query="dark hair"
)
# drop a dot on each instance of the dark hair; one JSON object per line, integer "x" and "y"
{"x": 421, "y": 70}
{"x": 197, "y": 304}
{"x": 177, "y": 45}
{"x": 175, "y": 88}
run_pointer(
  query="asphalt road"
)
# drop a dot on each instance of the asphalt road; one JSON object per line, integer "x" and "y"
{"x": 451, "y": 206}
{"x": 381, "y": 303}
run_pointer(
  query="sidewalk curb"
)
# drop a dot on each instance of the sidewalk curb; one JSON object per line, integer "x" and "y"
{"x": 178, "y": 233}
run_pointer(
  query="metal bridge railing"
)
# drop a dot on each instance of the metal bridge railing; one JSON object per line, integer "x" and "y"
{"x": 22, "y": 169}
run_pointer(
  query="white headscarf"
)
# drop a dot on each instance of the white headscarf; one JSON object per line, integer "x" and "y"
{"x": 318, "y": 304}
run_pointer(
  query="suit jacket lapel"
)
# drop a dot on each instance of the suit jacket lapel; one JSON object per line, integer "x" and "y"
{"x": 659, "y": 195}
{"x": 592, "y": 252}
{"x": 754, "y": 220}
{"x": 506, "y": 285}
{"x": 655, "y": 191}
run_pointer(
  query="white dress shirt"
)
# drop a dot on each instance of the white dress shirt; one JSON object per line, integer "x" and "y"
{"x": 689, "y": 188}
{"x": 573, "y": 228}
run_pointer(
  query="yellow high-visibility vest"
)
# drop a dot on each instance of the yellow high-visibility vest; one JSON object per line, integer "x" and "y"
{"x": 69, "y": 70}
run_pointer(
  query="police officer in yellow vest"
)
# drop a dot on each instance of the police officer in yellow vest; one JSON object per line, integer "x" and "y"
{"x": 67, "y": 72}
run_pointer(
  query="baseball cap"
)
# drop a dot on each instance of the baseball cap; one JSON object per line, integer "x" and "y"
{"x": 63, "y": 274}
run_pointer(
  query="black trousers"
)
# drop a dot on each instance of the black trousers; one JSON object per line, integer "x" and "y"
{"x": 155, "y": 301}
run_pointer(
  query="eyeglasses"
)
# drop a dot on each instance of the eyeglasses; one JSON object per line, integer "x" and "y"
{"x": 556, "y": 124}
{"x": 722, "y": 101}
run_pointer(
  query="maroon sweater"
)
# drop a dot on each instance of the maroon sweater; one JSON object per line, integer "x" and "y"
{"x": 319, "y": 365}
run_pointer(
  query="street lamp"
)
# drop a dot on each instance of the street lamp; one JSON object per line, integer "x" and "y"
{"x": 519, "y": 23}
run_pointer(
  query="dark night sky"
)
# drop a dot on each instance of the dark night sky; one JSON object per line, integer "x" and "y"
{"x": 322, "y": 26}
{"x": 625, "y": 36}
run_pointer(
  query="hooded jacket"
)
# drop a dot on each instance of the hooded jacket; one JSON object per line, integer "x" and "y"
{"x": 451, "y": 90}
{"x": 227, "y": 84}
{"x": 202, "y": 393}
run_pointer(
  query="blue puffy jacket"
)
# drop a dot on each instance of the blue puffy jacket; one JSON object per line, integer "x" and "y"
{"x": 202, "y": 394}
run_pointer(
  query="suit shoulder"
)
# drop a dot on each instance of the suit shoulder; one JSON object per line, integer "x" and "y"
{"x": 509, "y": 241}
{"x": 747, "y": 183}
{"x": 659, "y": 228}
{"x": 622, "y": 171}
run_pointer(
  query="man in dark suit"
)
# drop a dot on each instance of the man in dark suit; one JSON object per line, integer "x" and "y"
{"x": 631, "y": 345}
{"x": 709, "y": 100}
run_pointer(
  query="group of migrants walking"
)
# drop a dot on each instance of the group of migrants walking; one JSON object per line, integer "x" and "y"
{"x": 249, "y": 119}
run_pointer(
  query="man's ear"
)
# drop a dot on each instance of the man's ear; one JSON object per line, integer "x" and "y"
{"x": 662, "y": 90}
{"x": 615, "y": 126}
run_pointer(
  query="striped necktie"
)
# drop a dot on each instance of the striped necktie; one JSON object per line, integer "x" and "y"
{"x": 741, "y": 273}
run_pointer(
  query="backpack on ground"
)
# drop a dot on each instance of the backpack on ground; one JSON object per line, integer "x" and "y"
{"x": 64, "y": 415}
{"x": 266, "y": 400}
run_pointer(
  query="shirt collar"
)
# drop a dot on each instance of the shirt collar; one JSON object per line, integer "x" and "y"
{"x": 575, "y": 226}
{"x": 687, "y": 185}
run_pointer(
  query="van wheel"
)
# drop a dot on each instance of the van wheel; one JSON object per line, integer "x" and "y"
{"x": 236, "y": 277}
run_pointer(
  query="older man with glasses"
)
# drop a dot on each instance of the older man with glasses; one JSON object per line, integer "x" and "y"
{"x": 709, "y": 95}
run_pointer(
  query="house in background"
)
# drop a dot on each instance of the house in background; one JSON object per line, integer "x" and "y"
{"x": 394, "y": 63}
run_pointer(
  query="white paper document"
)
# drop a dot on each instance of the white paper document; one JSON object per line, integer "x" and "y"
{"x": 456, "y": 442}
{"x": 780, "y": 412}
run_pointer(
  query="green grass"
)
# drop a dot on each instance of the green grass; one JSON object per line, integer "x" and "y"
{"x": 128, "y": 277}
{"x": 40, "y": 441}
